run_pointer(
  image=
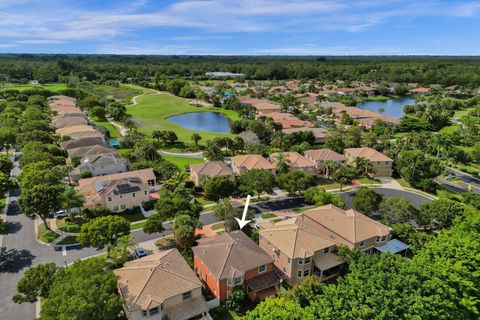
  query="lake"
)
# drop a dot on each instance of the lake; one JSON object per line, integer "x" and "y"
{"x": 203, "y": 121}
{"x": 393, "y": 107}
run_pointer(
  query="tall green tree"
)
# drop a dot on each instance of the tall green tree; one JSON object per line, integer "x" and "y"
{"x": 184, "y": 230}
{"x": 367, "y": 201}
{"x": 257, "y": 181}
{"x": 41, "y": 200}
{"x": 218, "y": 188}
{"x": 36, "y": 283}
{"x": 103, "y": 231}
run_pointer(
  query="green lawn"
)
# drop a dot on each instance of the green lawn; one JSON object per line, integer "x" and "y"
{"x": 135, "y": 217}
{"x": 217, "y": 226}
{"x": 224, "y": 314}
{"x": 462, "y": 113}
{"x": 137, "y": 225}
{"x": 45, "y": 235}
{"x": 68, "y": 227}
{"x": 369, "y": 181}
{"x": 449, "y": 129}
{"x": 152, "y": 110}
{"x": 181, "y": 162}
{"x": 3, "y": 203}
{"x": 68, "y": 240}
{"x": 122, "y": 92}
{"x": 114, "y": 131}
{"x": 404, "y": 183}
{"x": 268, "y": 215}
{"x": 202, "y": 200}
{"x": 51, "y": 87}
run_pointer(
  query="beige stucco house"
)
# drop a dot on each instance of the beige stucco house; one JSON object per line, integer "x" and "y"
{"x": 295, "y": 161}
{"x": 100, "y": 165}
{"x": 306, "y": 245}
{"x": 381, "y": 163}
{"x": 206, "y": 170}
{"x": 161, "y": 286}
{"x": 119, "y": 191}
{"x": 241, "y": 164}
{"x": 321, "y": 156}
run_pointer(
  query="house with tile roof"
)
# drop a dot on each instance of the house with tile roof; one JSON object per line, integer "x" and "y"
{"x": 295, "y": 161}
{"x": 99, "y": 165}
{"x": 347, "y": 227}
{"x": 298, "y": 251}
{"x": 262, "y": 106}
{"x": 241, "y": 164}
{"x": 321, "y": 156}
{"x": 161, "y": 286}
{"x": 67, "y": 131}
{"x": 88, "y": 134}
{"x": 320, "y": 134}
{"x": 233, "y": 261}
{"x": 306, "y": 245}
{"x": 74, "y": 120}
{"x": 201, "y": 171}
{"x": 82, "y": 142}
{"x": 288, "y": 120}
{"x": 382, "y": 164}
{"x": 82, "y": 152}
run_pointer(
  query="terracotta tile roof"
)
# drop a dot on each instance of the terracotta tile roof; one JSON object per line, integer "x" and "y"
{"x": 325, "y": 155}
{"x": 82, "y": 142}
{"x": 293, "y": 238}
{"x": 261, "y": 104}
{"x": 288, "y": 120}
{"x": 86, "y": 134}
{"x": 252, "y": 161}
{"x": 211, "y": 169}
{"x": 294, "y": 160}
{"x": 319, "y": 133}
{"x": 361, "y": 115}
{"x": 367, "y": 153}
{"x": 420, "y": 90}
{"x": 230, "y": 255}
{"x": 349, "y": 224}
{"x": 62, "y": 122}
{"x": 89, "y": 151}
{"x": 144, "y": 175}
{"x": 149, "y": 281}
{"x": 77, "y": 128}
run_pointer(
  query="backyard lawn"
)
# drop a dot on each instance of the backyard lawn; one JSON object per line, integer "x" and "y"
{"x": 181, "y": 162}
{"x": 152, "y": 110}
{"x": 114, "y": 132}
{"x": 68, "y": 227}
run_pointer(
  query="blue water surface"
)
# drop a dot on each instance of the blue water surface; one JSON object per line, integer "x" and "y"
{"x": 203, "y": 121}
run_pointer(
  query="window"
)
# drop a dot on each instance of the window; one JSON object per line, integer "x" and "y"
{"x": 121, "y": 196}
{"x": 326, "y": 250}
{"x": 384, "y": 238}
{"x": 306, "y": 273}
{"x": 144, "y": 313}
{"x": 299, "y": 273}
{"x": 115, "y": 208}
{"x": 300, "y": 261}
{"x": 235, "y": 281}
{"x": 362, "y": 243}
{"x": 122, "y": 206}
{"x": 332, "y": 237}
{"x": 154, "y": 311}
{"x": 145, "y": 192}
{"x": 262, "y": 268}
{"x": 284, "y": 269}
{"x": 307, "y": 260}
{"x": 377, "y": 239}
{"x": 187, "y": 295}
{"x": 133, "y": 195}
{"x": 151, "y": 183}
{"x": 109, "y": 199}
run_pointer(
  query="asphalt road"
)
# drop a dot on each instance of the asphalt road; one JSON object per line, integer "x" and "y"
{"x": 474, "y": 182}
{"x": 415, "y": 198}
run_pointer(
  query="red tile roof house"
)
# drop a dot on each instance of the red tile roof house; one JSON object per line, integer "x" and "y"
{"x": 262, "y": 106}
{"x": 381, "y": 163}
{"x": 296, "y": 161}
{"x": 207, "y": 170}
{"x": 288, "y": 120}
{"x": 320, "y": 156}
{"x": 233, "y": 261}
{"x": 243, "y": 163}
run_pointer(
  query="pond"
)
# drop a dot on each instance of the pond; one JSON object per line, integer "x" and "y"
{"x": 392, "y": 107}
{"x": 203, "y": 121}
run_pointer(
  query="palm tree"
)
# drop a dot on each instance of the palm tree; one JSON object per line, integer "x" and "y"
{"x": 279, "y": 141}
{"x": 363, "y": 167}
{"x": 381, "y": 110}
{"x": 178, "y": 179}
{"x": 195, "y": 138}
{"x": 283, "y": 164}
{"x": 330, "y": 167}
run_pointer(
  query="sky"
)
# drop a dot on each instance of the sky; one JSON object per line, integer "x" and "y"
{"x": 241, "y": 27}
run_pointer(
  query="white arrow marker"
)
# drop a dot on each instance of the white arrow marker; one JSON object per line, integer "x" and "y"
{"x": 242, "y": 223}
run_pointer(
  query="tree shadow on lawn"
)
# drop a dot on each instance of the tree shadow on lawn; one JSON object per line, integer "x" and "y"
{"x": 13, "y": 260}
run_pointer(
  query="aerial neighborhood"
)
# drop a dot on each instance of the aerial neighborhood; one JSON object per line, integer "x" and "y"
{"x": 177, "y": 188}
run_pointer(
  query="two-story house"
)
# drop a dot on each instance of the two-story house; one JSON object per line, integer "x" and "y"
{"x": 295, "y": 161}
{"x": 321, "y": 156}
{"x": 201, "y": 171}
{"x": 161, "y": 286}
{"x": 118, "y": 191}
{"x": 241, "y": 164}
{"x": 99, "y": 165}
{"x": 298, "y": 251}
{"x": 233, "y": 261}
{"x": 347, "y": 227}
{"x": 380, "y": 162}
